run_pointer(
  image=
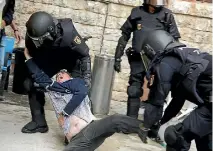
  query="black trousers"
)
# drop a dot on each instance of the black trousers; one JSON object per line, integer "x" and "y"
{"x": 96, "y": 132}
{"x": 134, "y": 90}
{"x": 197, "y": 126}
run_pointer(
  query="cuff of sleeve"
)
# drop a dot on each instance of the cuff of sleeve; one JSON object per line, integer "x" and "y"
{"x": 28, "y": 59}
{"x": 65, "y": 113}
{"x": 7, "y": 21}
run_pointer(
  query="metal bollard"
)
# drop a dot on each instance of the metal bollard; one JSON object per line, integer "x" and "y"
{"x": 102, "y": 84}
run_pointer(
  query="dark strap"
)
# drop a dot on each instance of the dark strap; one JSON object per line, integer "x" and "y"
{"x": 67, "y": 27}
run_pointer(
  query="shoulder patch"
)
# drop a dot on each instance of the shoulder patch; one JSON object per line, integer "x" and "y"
{"x": 77, "y": 40}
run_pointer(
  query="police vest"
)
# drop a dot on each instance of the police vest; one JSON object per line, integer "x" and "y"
{"x": 146, "y": 21}
{"x": 68, "y": 28}
{"x": 193, "y": 64}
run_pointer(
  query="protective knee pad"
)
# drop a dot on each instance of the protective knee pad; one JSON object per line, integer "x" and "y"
{"x": 134, "y": 91}
{"x": 173, "y": 136}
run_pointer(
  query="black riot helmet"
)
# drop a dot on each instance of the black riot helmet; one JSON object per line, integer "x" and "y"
{"x": 155, "y": 3}
{"x": 41, "y": 28}
{"x": 157, "y": 41}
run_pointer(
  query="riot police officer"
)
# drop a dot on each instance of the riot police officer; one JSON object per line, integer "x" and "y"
{"x": 151, "y": 15}
{"x": 187, "y": 73}
{"x": 54, "y": 44}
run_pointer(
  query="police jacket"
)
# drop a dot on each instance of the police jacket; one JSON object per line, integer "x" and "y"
{"x": 167, "y": 78}
{"x": 140, "y": 20}
{"x": 8, "y": 11}
{"x": 69, "y": 51}
{"x": 75, "y": 86}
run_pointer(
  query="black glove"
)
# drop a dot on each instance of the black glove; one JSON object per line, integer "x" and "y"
{"x": 143, "y": 133}
{"x": 117, "y": 65}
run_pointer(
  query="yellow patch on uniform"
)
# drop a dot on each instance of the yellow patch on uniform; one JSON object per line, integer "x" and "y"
{"x": 139, "y": 26}
{"x": 77, "y": 40}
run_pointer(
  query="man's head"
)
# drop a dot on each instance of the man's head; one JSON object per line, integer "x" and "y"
{"x": 41, "y": 28}
{"x": 62, "y": 76}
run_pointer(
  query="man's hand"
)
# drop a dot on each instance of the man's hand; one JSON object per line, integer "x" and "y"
{"x": 17, "y": 36}
{"x": 61, "y": 120}
{"x": 26, "y": 54}
{"x": 117, "y": 66}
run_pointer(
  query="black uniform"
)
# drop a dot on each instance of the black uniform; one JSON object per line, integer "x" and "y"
{"x": 140, "y": 20}
{"x": 69, "y": 51}
{"x": 187, "y": 73}
{"x": 8, "y": 11}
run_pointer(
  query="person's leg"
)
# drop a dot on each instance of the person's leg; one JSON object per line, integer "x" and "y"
{"x": 7, "y": 79}
{"x": 134, "y": 90}
{"x": 36, "y": 101}
{"x": 197, "y": 125}
{"x": 95, "y": 133}
{"x": 204, "y": 143}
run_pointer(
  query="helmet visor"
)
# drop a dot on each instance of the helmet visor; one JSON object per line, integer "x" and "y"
{"x": 38, "y": 41}
{"x": 156, "y": 2}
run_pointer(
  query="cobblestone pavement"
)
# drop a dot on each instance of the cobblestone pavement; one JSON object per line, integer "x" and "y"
{"x": 15, "y": 113}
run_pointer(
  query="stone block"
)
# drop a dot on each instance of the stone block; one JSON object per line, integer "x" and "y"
{"x": 74, "y": 4}
{"x": 119, "y": 96}
{"x": 114, "y": 22}
{"x": 94, "y": 44}
{"x": 120, "y": 84}
{"x": 198, "y": 23}
{"x": 108, "y": 47}
{"x": 117, "y": 10}
{"x": 96, "y": 7}
{"x": 202, "y": 47}
{"x": 27, "y": 7}
{"x": 21, "y": 19}
{"x": 196, "y": 36}
{"x": 86, "y": 17}
{"x": 112, "y": 34}
{"x": 192, "y": 8}
{"x": 124, "y": 2}
{"x": 87, "y": 30}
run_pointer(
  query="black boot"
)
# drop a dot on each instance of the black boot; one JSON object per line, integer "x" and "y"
{"x": 38, "y": 123}
{"x": 133, "y": 105}
{"x": 33, "y": 127}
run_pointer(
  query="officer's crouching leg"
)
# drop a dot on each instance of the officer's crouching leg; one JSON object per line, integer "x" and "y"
{"x": 133, "y": 103}
{"x": 36, "y": 101}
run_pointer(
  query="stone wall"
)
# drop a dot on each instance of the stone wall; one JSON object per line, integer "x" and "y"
{"x": 103, "y": 18}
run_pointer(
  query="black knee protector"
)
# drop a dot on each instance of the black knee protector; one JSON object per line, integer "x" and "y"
{"x": 173, "y": 136}
{"x": 134, "y": 91}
